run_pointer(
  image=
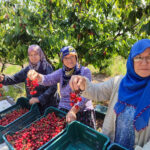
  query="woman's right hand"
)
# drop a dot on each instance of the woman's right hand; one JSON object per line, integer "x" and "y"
{"x": 1, "y": 78}
{"x": 32, "y": 75}
{"x": 77, "y": 83}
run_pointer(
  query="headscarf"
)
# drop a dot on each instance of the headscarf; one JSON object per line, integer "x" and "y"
{"x": 135, "y": 90}
{"x": 42, "y": 61}
{"x": 68, "y": 72}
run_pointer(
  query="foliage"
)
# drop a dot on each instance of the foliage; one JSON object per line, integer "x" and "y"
{"x": 98, "y": 29}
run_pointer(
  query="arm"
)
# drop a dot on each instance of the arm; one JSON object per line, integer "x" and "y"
{"x": 98, "y": 91}
{"x": 16, "y": 78}
{"x": 46, "y": 80}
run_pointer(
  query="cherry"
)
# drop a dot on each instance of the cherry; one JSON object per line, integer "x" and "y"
{"x": 31, "y": 138}
{"x": 32, "y": 85}
{"x": 74, "y": 98}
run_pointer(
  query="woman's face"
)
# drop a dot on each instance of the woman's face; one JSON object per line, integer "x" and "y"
{"x": 142, "y": 63}
{"x": 34, "y": 57}
{"x": 69, "y": 61}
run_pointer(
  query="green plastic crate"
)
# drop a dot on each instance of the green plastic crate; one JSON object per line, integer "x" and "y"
{"x": 79, "y": 137}
{"x": 115, "y": 146}
{"x": 22, "y": 121}
{"x": 100, "y": 111}
{"x": 50, "y": 109}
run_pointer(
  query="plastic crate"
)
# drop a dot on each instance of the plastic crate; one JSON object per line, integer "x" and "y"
{"x": 58, "y": 113}
{"x": 22, "y": 121}
{"x": 100, "y": 111}
{"x": 115, "y": 146}
{"x": 79, "y": 137}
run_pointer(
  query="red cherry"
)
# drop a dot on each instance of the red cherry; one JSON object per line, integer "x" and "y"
{"x": 76, "y": 106}
{"x": 104, "y": 53}
{"x": 71, "y": 104}
{"x": 1, "y": 85}
{"x": 79, "y": 99}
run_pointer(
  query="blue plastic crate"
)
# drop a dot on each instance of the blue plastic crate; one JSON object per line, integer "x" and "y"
{"x": 58, "y": 113}
{"x": 115, "y": 146}
{"x": 22, "y": 121}
{"x": 78, "y": 136}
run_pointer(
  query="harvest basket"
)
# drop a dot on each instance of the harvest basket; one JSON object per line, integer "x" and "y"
{"x": 100, "y": 111}
{"x": 79, "y": 137}
{"x": 115, "y": 146}
{"x": 22, "y": 121}
{"x": 57, "y": 112}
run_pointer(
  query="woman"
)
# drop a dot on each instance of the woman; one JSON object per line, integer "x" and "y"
{"x": 46, "y": 95}
{"x": 127, "y": 121}
{"x": 85, "y": 112}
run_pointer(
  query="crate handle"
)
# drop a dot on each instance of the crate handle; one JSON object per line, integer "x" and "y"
{"x": 91, "y": 132}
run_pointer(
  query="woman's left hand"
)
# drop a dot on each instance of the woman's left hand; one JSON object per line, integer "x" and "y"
{"x": 71, "y": 115}
{"x": 33, "y": 100}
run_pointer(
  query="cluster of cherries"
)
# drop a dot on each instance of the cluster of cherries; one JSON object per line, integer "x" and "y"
{"x": 75, "y": 98}
{"x": 1, "y": 85}
{"x": 32, "y": 85}
{"x": 10, "y": 117}
{"x": 31, "y": 138}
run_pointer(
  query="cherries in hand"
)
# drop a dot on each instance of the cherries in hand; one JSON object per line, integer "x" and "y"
{"x": 75, "y": 98}
{"x": 32, "y": 85}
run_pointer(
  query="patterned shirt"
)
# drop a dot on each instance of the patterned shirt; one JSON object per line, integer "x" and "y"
{"x": 56, "y": 77}
{"x": 125, "y": 134}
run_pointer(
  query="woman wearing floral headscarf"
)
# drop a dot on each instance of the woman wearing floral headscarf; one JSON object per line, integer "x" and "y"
{"x": 46, "y": 95}
{"x": 127, "y": 121}
{"x": 85, "y": 112}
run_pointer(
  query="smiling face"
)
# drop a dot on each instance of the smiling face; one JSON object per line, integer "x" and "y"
{"x": 69, "y": 61}
{"x": 34, "y": 57}
{"x": 142, "y": 63}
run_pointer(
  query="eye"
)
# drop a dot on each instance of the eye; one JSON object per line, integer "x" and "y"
{"x": 138, "y": 57}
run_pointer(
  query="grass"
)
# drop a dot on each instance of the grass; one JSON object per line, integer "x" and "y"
{"x": 14, "y": 91}
{"x": 117, "y": 66}
{"x": 11, "y": 69}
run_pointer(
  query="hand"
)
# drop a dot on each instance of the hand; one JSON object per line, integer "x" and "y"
{"x": 71, "y": 115}
{"x": 1, "y": 78}
{"x": 32, "y": 75}
{"x": 33, "y": 100}
{"x": 77, "y": 83}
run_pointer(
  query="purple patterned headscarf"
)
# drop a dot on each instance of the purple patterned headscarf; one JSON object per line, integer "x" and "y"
{"x": 43, "y": 60}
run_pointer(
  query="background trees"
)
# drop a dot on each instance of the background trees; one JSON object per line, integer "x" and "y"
{"x": 98, "y": 29}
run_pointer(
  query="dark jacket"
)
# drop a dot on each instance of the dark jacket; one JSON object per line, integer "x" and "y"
{"x": 47, "y": 95}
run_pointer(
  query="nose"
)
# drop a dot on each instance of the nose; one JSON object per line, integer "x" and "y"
{"x": 144, "y": 61}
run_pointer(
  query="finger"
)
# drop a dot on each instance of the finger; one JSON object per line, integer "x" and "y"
{"x": 75, "y": 83}
{"x": 81, "y": 83}
{"x": 67, "y": 119}
{"x": 71, "y": 82}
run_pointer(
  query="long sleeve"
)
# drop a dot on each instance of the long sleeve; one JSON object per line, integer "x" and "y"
{"x": 51, "y": 79}
{"x": 16, "y": 78}
{"x": 98, "y": 91}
